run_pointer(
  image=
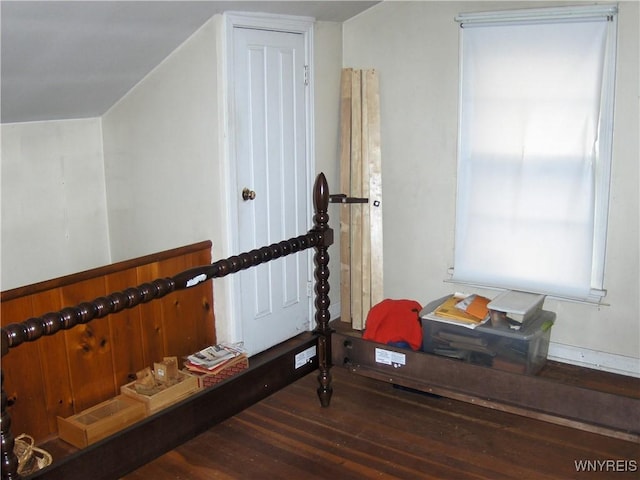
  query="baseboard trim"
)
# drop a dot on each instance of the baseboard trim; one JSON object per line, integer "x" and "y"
{"x": 594, "y": 359}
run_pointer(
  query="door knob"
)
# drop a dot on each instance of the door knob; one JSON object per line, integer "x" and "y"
{"x": 248, "y": 194}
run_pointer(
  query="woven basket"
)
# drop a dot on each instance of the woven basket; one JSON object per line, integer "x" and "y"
{"x": 30, "y": 458}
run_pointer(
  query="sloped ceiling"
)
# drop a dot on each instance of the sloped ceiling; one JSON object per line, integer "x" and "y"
{"x": 75, "y": 59}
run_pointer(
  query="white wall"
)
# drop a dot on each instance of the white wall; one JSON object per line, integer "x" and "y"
{"x": 163, "y": 152}
{"x": 414, "y": 47}
{"x": 328, "y": 66}
{"x": 166, "y": 135}
{"x": 161, "y": 158}
{"x": 160, "y": 170}
{"x": 54, "y": 215}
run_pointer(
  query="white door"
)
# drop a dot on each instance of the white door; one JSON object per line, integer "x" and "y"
{"x": 270, "y": 145}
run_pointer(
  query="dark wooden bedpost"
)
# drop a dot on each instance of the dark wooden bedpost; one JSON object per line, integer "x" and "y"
{"x": 9, "y": 459}
{"x": 321, "y": 273}
{"x": 320, "y": 237}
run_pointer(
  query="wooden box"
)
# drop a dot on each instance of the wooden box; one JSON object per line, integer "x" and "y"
{"x": 100, "y": 421}
{"x": 209, "y": 380}
{"x": 186, "y": 385}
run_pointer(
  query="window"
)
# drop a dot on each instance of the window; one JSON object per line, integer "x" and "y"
{"x": 535, "y": 135}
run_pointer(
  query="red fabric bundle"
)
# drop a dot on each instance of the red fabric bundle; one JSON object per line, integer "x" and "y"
{"x": 395, "y": 321}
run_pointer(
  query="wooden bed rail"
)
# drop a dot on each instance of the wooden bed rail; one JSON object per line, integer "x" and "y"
{"x": 319, "y": 237}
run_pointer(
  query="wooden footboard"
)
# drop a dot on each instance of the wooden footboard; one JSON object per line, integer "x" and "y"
{"x": 45, "y": 327}
{"x": 64, "y": 374}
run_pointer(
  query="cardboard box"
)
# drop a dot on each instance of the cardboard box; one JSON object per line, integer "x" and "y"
{"x": 100, "y": 421}
{"x": 186, "y": 386}
{"x": 521, "y": 351}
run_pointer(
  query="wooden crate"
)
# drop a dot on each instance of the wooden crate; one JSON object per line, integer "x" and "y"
{"x": 207, "y": 380}
{"x": 100, "y": 421}
{"x": 186, "y": 385}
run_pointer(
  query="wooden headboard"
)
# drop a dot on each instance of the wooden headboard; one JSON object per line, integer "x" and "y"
{"x": 45, "y": 346}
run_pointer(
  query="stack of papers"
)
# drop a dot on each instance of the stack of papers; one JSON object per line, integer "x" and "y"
{"x": 215, "y": 358}
{"x": 466, "y": 310}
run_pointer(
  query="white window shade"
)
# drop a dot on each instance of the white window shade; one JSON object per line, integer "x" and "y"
{"x": 536, "y": 108}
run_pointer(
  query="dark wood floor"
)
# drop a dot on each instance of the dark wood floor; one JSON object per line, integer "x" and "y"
{"x": 373, "y": 430}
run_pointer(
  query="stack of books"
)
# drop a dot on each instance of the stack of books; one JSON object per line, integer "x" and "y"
{"x": 510, "y": 309}
{"x": 217, "y": 362}
{"x": 466, "y": 310}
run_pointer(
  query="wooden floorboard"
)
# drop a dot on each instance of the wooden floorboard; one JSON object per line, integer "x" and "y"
{"x": 375, "y": 430}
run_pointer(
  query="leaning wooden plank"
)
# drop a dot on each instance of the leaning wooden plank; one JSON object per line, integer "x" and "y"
{"x": 356, "y": 191}
{"x": 345, "y": 187}
{"x": 364, "y": 179}
{"x": 375, "y": 185}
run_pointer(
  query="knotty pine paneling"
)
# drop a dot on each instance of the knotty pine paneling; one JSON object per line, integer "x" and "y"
{"x": 88, "y": 363}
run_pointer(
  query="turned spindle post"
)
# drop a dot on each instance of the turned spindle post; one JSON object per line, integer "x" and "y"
{"x": 9, "y": 459}
{"x": 321, "y": 273}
